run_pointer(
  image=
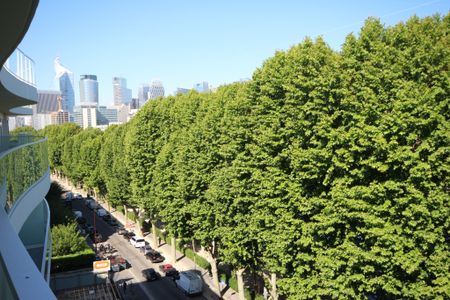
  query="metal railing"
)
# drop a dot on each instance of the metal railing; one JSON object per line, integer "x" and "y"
{"x": 23, "y": 162}
{"x": 21, "y": 66}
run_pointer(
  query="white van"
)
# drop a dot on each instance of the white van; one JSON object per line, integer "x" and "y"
{"x": 137, "y": 241}
{"x": 190, "y": 282}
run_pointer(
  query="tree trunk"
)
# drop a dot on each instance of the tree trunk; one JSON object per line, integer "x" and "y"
{"x": 126, "y": 217}
{"x": 154, "y": 236}
{"x": 240, "y": 283}
{"x": 215, "y": 275}
{"x": 137, "y": 221}
{"x": 273, "y": 283}
{"x": 174, "y": 249}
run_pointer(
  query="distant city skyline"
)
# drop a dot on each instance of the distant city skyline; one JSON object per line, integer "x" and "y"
{"x": 190, "y": 42}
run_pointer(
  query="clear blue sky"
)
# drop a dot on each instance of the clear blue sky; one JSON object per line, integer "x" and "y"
{"x": 185, "y": 42}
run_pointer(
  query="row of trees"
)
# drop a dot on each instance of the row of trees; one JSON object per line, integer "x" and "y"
{"x": 328, "y": 170}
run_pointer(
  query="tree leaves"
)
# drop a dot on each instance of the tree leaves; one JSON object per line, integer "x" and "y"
{"x": 327, "y": 168}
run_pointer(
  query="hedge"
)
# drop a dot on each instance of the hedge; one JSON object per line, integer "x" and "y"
{"x": 79, "y": 260}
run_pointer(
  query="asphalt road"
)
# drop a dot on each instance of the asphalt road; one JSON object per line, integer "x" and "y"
{"x": 137, "y": 287}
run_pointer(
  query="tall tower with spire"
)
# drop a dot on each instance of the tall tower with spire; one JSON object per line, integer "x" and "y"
{"x": 64, "y": 78}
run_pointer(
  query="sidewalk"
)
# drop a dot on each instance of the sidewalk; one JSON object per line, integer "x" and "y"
{"x": 182, "y": 264}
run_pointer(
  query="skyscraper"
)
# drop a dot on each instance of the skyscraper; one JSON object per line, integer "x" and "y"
{"x": 156, "y": 89}
{"x": 64, "y": 79}
{"x": 121, "y": 94}
{"x": 88, "y": 90}
{"x": 202, "y": 87}
{"x": 143, "y": 93}
{"x": 182, "y": 91}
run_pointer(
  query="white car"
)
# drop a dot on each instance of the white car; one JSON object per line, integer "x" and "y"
{"x": 137, "y": 241}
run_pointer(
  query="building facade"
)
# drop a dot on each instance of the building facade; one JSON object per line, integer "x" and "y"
{"x": 143, "y": 94}
{"x": 121, "y": 94}
{"x": 182, "y": 91}
{"x": 202, "y": 87}
{"x": 156, "y": 89}
{"x": 25, "y": 247}
{"x": 106, "y": 116}
{"x": 64, "y": 78}
{"x": 85, "y": 115}
{"x": 47, "y": 101}
{"x": 88, "y": 90}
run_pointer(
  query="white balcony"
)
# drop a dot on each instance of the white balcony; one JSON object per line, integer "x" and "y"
{"x": 24, "y": 219}
{"x": 17, "y": 83}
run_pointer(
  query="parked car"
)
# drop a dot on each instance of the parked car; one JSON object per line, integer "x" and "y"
{"x": 137, "y": 241}
{"x": 81, "y": 220}
{"x": 96, "y": 237}
{"x": 88, "y": 228}
{"x": 146, "y": 249}
{"x": 121, "y": 231}
{"x": 190, "y": 282}
{"x": 119, "y": 263}
{"x": 77, "y": 196}
{"x": 91, "y": 204}
{"x": 170, "y": 271}
{"x": 173, "y": 273}
{"x": 150, "y": 274}
{"x": 77, "y": 214}
{"x": 101, "y": 212}
{"x": 112, "y": 222}
{"x": 154, "y": 256}
{"x": 128, "y": 235}
{"x": 106, "y": 217}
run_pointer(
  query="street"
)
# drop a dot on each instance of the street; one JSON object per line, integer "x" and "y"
{"x": 137, "y": 287}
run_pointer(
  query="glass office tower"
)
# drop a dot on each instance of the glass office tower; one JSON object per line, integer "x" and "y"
{"x": 64, "y": 78}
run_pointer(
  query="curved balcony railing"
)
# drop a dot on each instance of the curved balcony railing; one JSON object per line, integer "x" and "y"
{"x": 23, "y": 161}
{"x": 21, "y": 66}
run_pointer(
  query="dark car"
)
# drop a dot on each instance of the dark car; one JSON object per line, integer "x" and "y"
{"x": 96, "y": 237}
{"x": 173, "y": 273}
{"x": 154, "y": 256}
{"x": 88, "y": 228}
{"x": 128, "y": 235}
{"x": 150, "y": 274}
{"x": 121, "y": 231}
{"x": 170, "y": 271}
{"x": 81, "y": 220}
{"x": 112, "y": 222}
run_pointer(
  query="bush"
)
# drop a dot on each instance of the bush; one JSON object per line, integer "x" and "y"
{"x": 200, "y": 261}
{"x": 132, "y": 216}
{"x": 232, "y": 283}
{"x": 79, "y": 260}
{"x": 120, "y": 208}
